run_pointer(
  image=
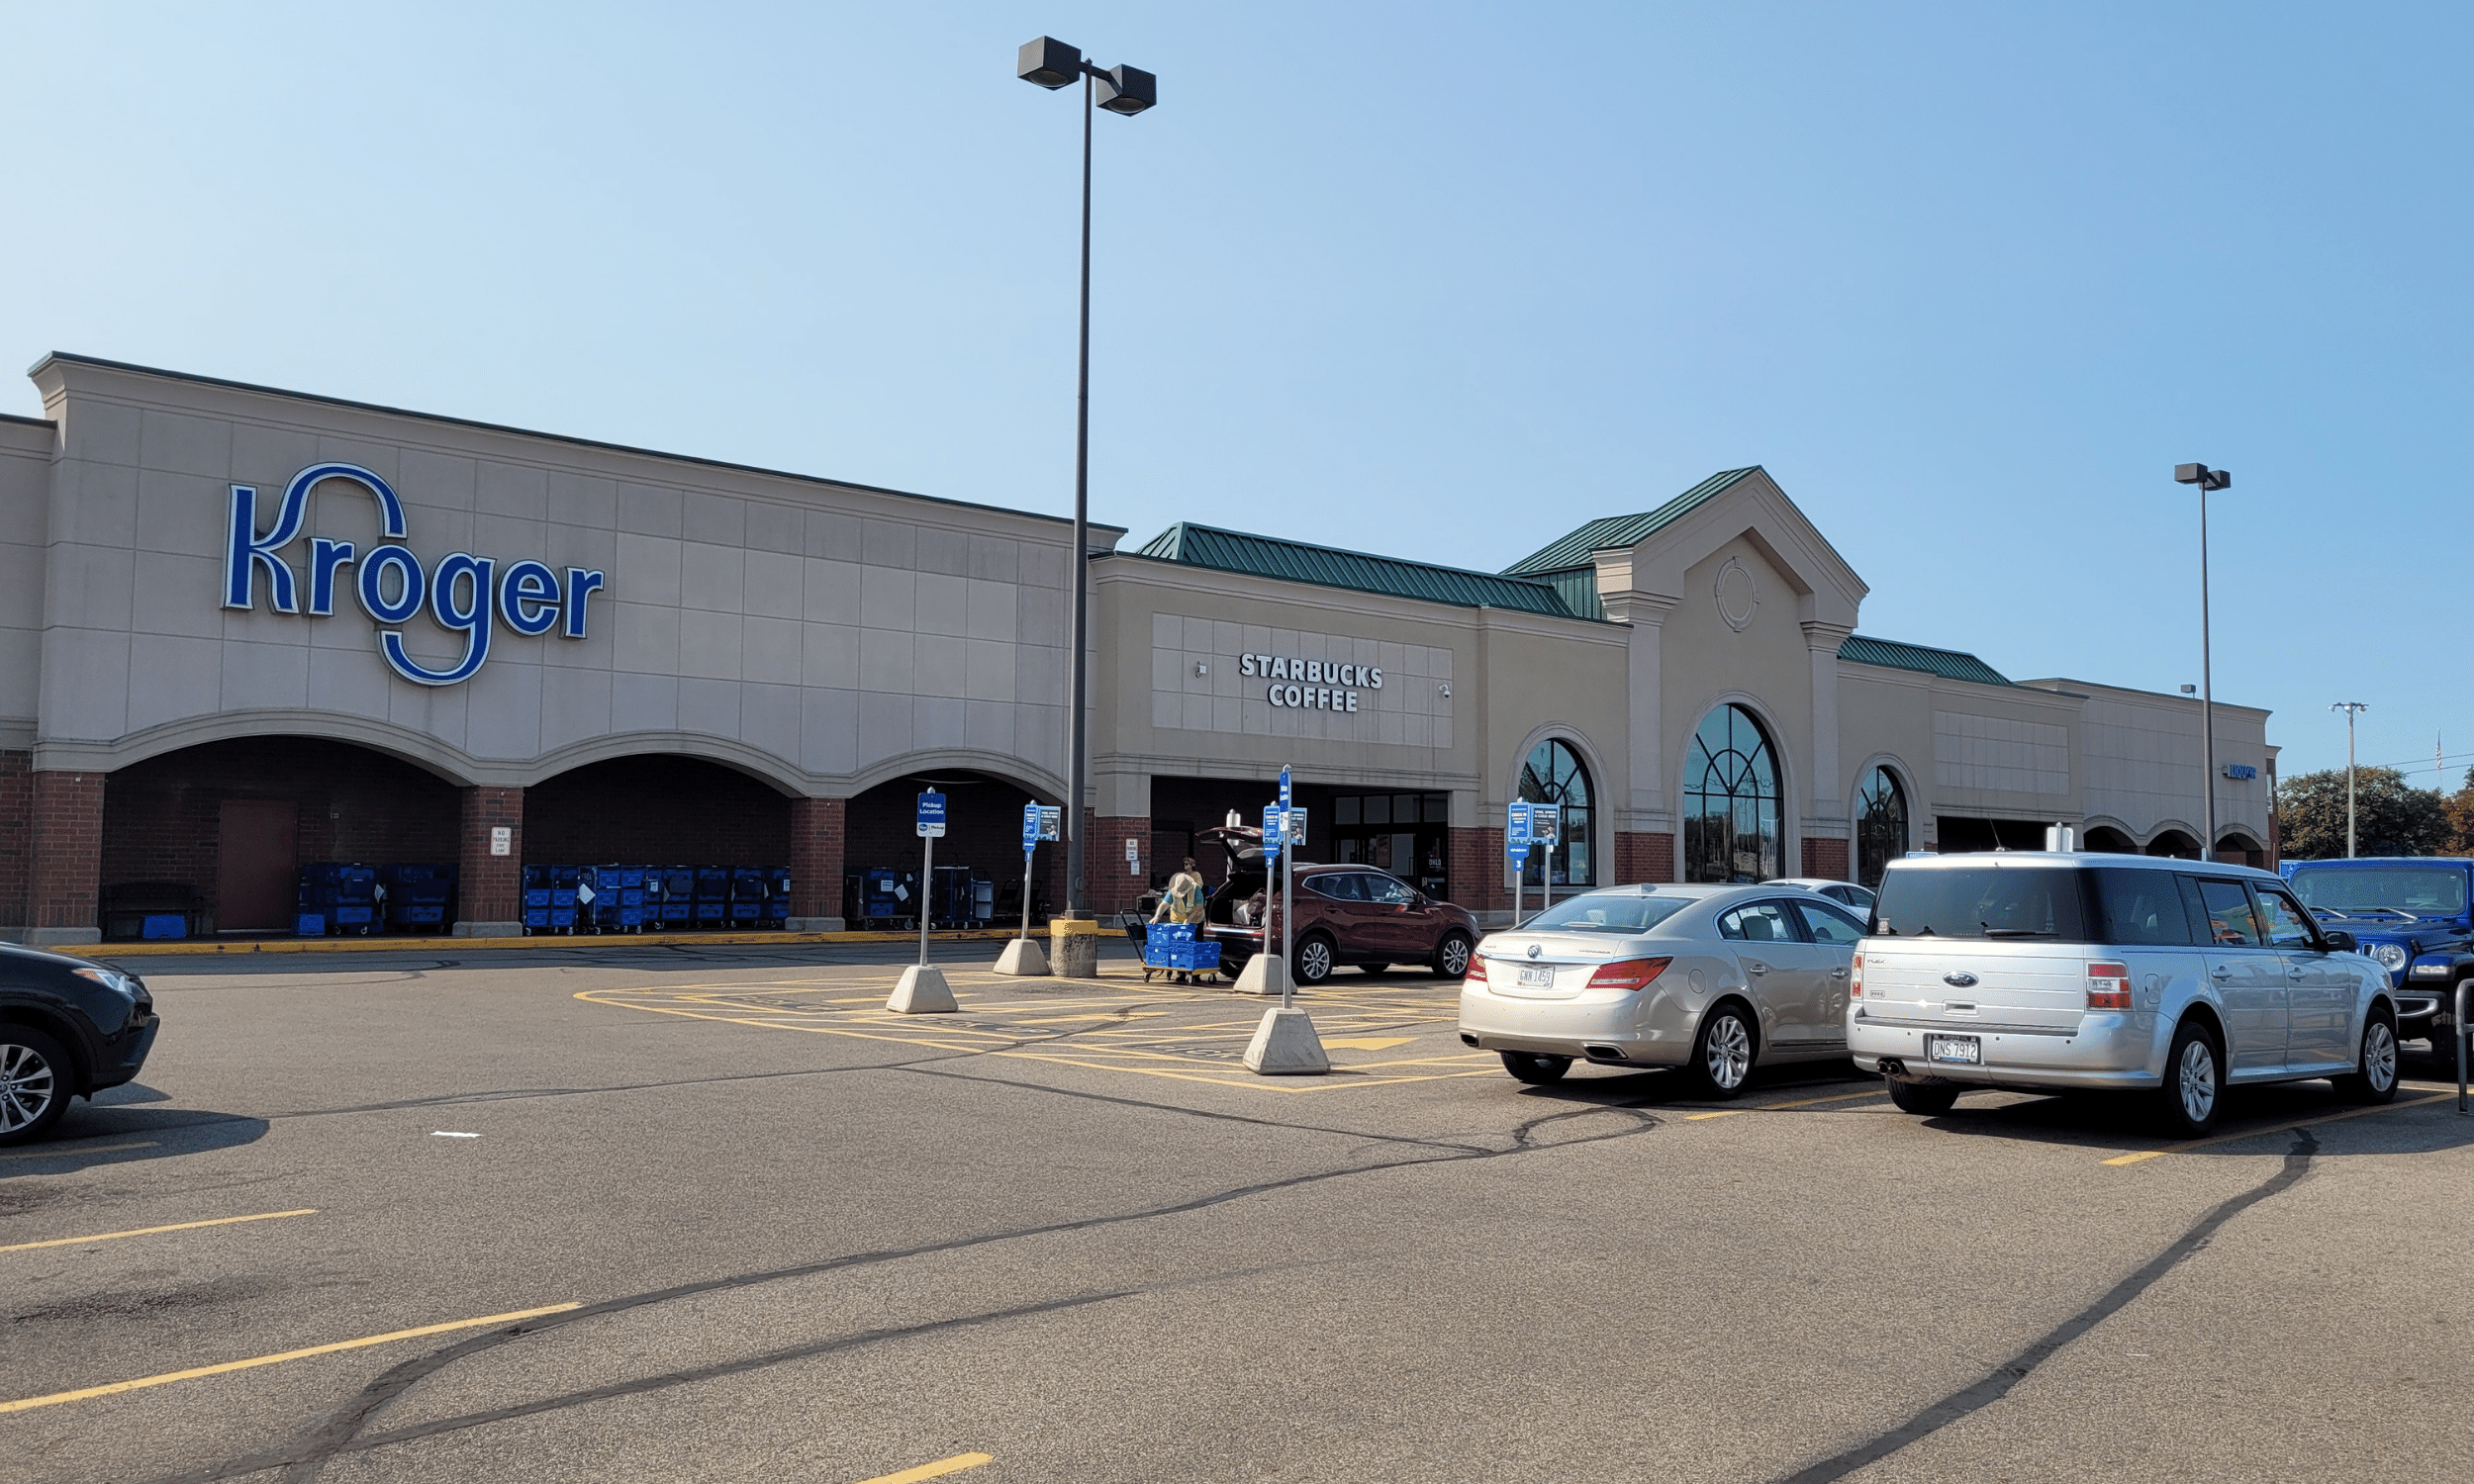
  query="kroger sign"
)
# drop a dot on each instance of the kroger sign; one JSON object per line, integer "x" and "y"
{"x": 465, "y": 593}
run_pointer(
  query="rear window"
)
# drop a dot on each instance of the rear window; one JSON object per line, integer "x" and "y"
{"x": 1609, "y": 912}
{"x": 1965, "y": 902}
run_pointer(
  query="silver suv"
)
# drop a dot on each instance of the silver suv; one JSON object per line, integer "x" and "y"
{"x": 2050, "y": 973}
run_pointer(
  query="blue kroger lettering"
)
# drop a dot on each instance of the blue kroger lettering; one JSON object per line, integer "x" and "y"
{"x": 464, "y": 594}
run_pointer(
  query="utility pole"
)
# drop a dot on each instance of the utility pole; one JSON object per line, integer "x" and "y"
{"x": 2351, "y": 709}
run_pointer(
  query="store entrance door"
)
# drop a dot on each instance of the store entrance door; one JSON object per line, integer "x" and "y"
{"x": 256, "y": 865}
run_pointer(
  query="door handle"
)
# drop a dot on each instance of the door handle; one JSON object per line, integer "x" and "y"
{"x": 2293, "y": 970}
{"x": 2219, "y": 973}
{"x": 1755, "y": 967}
{"x": 1839, "y": 973}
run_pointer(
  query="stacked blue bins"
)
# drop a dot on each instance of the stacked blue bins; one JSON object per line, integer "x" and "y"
{"x": 632, "y": 900}
{"x": 747, "y": 895}
{"x": 884, "y": 897}
{"x": 617, "y": 904}
{"x": 344, "y": 896}
{"x": 550, "y": 898}
{"x": 1172, "y": 946}
{"x": 417, "y": 896}
{"x": 777, "y": 912}
{"x": 712, "y": 895}
{"x": 677, "y": 894}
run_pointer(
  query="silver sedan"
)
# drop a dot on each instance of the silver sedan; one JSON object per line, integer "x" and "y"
{"x": 1714, "y": 980}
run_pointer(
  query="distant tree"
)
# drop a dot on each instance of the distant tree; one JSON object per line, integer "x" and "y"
{"x": 2461, "y": 810}
{"x": 2390, "y": 819}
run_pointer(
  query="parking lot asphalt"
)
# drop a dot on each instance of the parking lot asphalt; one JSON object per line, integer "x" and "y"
{"x": 713, "y": 1214}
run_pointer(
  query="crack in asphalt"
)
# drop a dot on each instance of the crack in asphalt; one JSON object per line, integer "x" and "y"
{"x": 308, "y": 1453}
{"x": 1997, "y": 1383}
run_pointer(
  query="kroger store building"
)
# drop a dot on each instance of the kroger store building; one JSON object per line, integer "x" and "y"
{"x": 242, "y": 629}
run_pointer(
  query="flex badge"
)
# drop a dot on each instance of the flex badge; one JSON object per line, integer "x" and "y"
{"x": 464, "y": 594}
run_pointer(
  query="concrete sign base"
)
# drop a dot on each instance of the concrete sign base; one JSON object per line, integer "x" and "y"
{"x": 1285, "y": 1045}
{"x": 923, "y": 991}
{"x": 1263, "y": 973}
{"x": 1022, "y": 957}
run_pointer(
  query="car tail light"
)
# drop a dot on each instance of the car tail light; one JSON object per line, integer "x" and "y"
{"x": 1476, "y": 971}
{"x": 1631, "y": 973}
{"x": 1856, "y": 978}
{"x": 2109, "y": 987}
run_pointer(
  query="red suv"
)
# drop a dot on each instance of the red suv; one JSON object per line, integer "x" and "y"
{"x": 1345, "y": 914}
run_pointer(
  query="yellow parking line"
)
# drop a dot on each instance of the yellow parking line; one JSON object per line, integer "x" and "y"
{"x": 71, "y": 1153}
{"x": 2300, "y": 1123}
{"x": 178, "y": 1225}
{"x": 941, "y": 1467}
{"x": 83, "y": 1393}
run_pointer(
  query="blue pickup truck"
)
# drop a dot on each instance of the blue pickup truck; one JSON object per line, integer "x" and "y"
{"x": 2415, "y": 915}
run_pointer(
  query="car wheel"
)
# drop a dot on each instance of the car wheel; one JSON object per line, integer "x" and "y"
{"x": 1372, "y": 970}
{"x": 1452, "y": 956}
{"x": 2374, "y": 1077}
{"x": 35, "y": 1083}
{"x": 1536, "y": 1067}
{"x": 1923, "y": 1099}
{"x": 1722, "y": 1055}
{"x": 2194, "y": 1085}
{"x": 1315, "y": 959}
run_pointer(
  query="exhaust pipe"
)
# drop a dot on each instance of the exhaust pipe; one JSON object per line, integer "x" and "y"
{"x": 1893, "y": 1068}
{"x": 1604, "y": 1052}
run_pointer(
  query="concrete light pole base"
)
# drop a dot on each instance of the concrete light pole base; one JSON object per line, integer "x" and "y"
{"x": 1076, "y": 937}
{"x": 923, "y": 991}
{"x": 1285, "y": 1045}
{"x": 1263, "y": 973}
{"x": 1022, "y": 957}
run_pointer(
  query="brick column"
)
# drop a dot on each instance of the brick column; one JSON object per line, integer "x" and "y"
{"x": 489, "y": 889}
{"x": 1826, "y": 855}
{"x": 16, "y": 842}
{"x": 64, "y": 858}
{"x": 1646, "y": 857}
{"x": 1479, "y": 871}
{"x": 1112, "y": 886}
{"x": 818, "y": 830}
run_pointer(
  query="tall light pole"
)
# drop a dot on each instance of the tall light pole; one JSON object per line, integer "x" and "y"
{"x": 2207, "y": 479}
{"x": 2351, "y": 709}
{"x": 1121, "y": 90}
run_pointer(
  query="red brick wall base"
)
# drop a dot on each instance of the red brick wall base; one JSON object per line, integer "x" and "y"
{"x": 817, "y": 835}
{"x": 65, "y": 861}
{"x": 489, "y": 887}
{"x": 1824, "y": 857}
{"x": 1113, "y": 884}
{"x": 1478, "y": 869}
{"x": 1645, "y": 856}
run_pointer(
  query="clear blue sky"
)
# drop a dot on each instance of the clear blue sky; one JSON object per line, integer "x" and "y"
{"x": 1441, "y": 281}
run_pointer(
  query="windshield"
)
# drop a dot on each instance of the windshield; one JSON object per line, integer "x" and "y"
{"x": 1973, "y": 901}
{"x": 2424, "y": 891}
{"x": 1609, "y": 912}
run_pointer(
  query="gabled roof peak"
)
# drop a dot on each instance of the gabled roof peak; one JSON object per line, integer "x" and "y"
{"x": 1302, "y": 561}
{"x": 1573, "y": 549}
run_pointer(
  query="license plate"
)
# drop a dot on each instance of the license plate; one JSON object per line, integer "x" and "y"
{"x": 1963, "y": 1049}
{"x": 1537, "y": 976}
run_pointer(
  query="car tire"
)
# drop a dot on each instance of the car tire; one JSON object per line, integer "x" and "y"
{"x": 36, "y": 1082}
{"x": 1372, "y": 970}
{"x": 1724, "y": 1052}
{"x": 1923, "y": 1099}
{"x": 2374, "y": 1077}
{"x": 2194, "y": 1082}
{"x": 1536, "y": 1067}
{"x": 1452, "y": 956}
{"x": 1314, "y": 959}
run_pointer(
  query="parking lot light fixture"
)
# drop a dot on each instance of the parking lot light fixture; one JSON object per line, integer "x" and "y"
{"x": 1052, "y": 64}
{"x": 2206, "y": 479}
{"x": 2351, "y": 709}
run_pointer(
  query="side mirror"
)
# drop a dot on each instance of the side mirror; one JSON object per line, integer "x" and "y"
{"x": 2341, "y": 942}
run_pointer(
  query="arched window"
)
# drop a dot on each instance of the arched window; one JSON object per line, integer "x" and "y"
{"x": 1732, "y": 830}
{"x": 1880, "y": 825}
{"x": 1554, "y": 775}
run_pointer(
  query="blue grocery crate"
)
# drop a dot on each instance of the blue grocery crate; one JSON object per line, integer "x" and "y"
{"x": 678, "y": 911}
{"x": 536, "y": 897}
{"x": 164, "y": 925}
{"x": 713, "y": 883}
{"x": 348, "y": 914}
{"x": 1169, "y": 932}
{"x": 632, "y": 878}
{"x": 415, "y": 914}
{"x": 747, "y": 912}
{"x": 630, "y": 897}
{"x": 711, "y": 913}
{"x": 310, "y": 925}
{"x": 1182, "y": 956}
{"x": 676, "y": 882}
{"x": 562, "y": 917}
{"x": 747, "y": 883}
{"x": 536, "y": 918}
{"x": 631, "y": 917}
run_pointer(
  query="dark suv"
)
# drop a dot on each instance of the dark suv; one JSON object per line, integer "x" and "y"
{"x": 67, "y": 1029}
{"x": 1345, "y": 914}
{"x": 2415, "y": 915}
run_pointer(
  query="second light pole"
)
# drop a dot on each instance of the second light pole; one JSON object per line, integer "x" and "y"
{"x": 1121, "y": 90}
{"x": 2208, "y": 480}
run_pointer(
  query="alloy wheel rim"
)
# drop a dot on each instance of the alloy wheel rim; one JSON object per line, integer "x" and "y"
{"x": 2199, "y": 1082}
{"x": 2379, "y": 1056}
{"x": 1730, "y": 1052}
{"x": 1454, "y": 956}
{"x": 27, "y": 1088}
{"x": 1313, "y": 961}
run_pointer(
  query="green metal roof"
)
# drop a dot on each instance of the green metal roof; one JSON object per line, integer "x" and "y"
{"x": 1949, "y": 664}
{"x": 1298, "y": 561}
{"x": 1623, "y": 530}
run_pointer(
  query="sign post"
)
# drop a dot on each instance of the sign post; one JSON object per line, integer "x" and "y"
{"x": 923, "y": 989}
{"x": 1516, "y": 845}
{"x": 1546, "y": 828}
{"x": 1285, "y": 1042}
{"x": 1023, "y": 956}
